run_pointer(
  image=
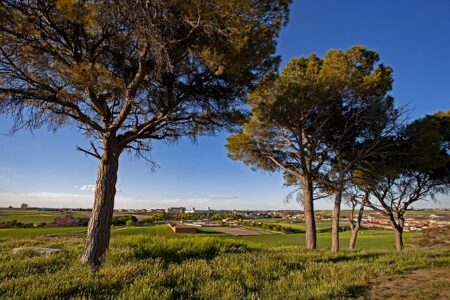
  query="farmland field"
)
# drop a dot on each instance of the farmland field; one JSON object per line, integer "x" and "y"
{"x": 36, "y": 216}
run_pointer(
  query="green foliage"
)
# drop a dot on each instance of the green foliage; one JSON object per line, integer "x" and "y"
{"x": 128, "y": 72}
{"x": 130, "y": 223}
{"x": 314, "y": 111}
{"x": 426, "y": 143}
{"x": 122, "y": 220}
{"x": 146, "y": 221}
{"x": 225, "y": 215}
{"x": 415, "y": 167}
{"x": 81, "y": 60}
{"x": 15, "y": 224}
{"x": 272, "y": 226}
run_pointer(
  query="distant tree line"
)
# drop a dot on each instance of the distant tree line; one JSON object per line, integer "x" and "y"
{"x": 15, "y": 224}
{"x": 272, "y": 226}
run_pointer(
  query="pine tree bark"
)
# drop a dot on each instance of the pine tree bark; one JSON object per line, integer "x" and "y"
{"x": 397, "y": 227}
{"x": 335, "y": 219}
{"x": 97, "y": 240}
{"x": 398, "y": 233}
{"x": 355, "y": 230}
{"x": 356, "y": 225}
{"x": 308, "y": 207}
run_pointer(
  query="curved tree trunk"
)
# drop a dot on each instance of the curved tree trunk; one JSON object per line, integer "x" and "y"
{"x": 356, "y": 225}
{"x": 355, "y": 230}
{"x": 310, "y": 222}
{"x": 335, "y": 222}
{"x": 398, "y": 233}
{"x": 97, "y": 240}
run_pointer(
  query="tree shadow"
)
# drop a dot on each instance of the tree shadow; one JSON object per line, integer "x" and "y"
{"x": 346, "y": 258}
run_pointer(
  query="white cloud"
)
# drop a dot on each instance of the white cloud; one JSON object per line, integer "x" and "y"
{"x": 87, "y": 187}
{"x": 45, "y": 199}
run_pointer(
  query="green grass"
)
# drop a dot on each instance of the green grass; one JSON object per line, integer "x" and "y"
{"x": 26, "y": 216}
{"x": 156, "y": 230}
{"x": 367, "y": 239}
{"x": 36, "y": 216}
{"x": 25, "y": 232}
{"x": 370, "y": 239}
{"x": 143, "y": 266}
{"x": 320, "y": 225}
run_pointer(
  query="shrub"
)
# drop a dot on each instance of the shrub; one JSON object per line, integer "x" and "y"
{"x": 15, "y": 224}
{"x": 122, "y": 220}
{"x": 146, "y": 221}
{"x": 130, "y": 223}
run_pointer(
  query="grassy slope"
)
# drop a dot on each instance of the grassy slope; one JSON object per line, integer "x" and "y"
{"x": 143, "y": 266}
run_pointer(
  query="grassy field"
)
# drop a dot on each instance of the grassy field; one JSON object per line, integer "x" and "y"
{"x": 368, "y": 239}
{"x": 153, "y": 263}
{"x": 30, "y": 232}
{"x": 36, "y": 216}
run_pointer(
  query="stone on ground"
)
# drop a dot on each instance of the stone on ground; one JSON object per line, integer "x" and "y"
{"x": 37, "y": 250}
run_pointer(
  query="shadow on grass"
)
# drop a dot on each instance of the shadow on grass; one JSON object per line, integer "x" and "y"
{"x": 350, "y": 257}
{"x": 341, "y": 229}
{"x": 359, "y": 291}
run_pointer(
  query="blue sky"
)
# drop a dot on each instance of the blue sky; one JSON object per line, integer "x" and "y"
{"x": 44, "y": 169}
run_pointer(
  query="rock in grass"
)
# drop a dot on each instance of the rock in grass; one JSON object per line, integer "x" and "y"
{"x": 36, "y": 250}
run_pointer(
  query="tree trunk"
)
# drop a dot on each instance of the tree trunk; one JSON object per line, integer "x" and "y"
{"x": 336, "y": 217}
{"x": 355, "y": 226}
{"x": 308, "y": 207}
{"x": 97, "y": 240}
{"x": 355, "y": 230}
{"x": 398, "y": 233}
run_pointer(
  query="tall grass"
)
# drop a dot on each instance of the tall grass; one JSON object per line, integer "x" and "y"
{"x": 145, "y": 267}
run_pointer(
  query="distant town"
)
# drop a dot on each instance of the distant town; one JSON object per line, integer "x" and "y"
{"x": 183, "y": 220}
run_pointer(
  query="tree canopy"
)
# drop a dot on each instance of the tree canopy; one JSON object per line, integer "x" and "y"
{"x": 128, "y": 72}
{"x": 317, "y": 113}
{"x": 416, "y": 168}
{"x": 140, "y": 69}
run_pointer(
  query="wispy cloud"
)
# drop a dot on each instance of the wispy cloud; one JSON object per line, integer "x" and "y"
{"x": 87, "y": 187}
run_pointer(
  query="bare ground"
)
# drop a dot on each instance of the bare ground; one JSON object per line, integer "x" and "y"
{"x": 420, "y": 284}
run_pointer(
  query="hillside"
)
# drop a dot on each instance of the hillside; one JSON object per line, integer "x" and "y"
{"x": 153, "y": 263}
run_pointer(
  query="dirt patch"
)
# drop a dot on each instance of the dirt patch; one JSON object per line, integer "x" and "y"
{"x": 420, "y": 284}
{"x": 236, "y": 231}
